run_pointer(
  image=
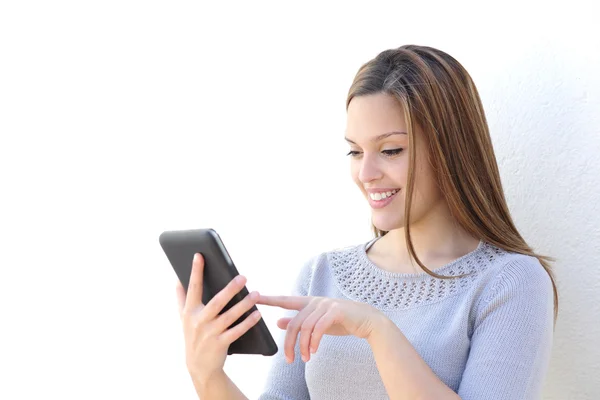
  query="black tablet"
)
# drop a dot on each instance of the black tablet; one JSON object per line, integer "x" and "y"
{"x": 180, "y": 247}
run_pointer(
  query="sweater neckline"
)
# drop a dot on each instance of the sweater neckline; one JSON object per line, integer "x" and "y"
{"x": 447, "y": 269}
{"x": 361, "y": 280}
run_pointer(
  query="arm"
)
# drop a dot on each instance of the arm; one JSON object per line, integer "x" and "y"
{"x": 510, "y": 345}
{"x": 404, "y": 373}
{"x": 512, "y": 336}
{"x": 286, "y": 381}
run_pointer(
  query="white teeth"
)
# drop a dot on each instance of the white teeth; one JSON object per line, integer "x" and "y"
{"x": 382, "y": 195}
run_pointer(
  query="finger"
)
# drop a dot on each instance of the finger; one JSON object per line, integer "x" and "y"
{"x": 283, "y": 323}
{"x": 220, "y": 300}
{"x": 180, "y": 292}
{"x": 194, "y": 290}
{"x": 287, "y": 302}
{"x": 321, "y": 327}
{"x": 225, "y": 320}
{"x": 306, "y": 331}
{"x": 291, "y": 335}
{"x": 233, "y": 334}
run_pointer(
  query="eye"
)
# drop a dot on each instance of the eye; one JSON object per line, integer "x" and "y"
{"x": 353, "y": 153}
{"x": 392, "y": 152}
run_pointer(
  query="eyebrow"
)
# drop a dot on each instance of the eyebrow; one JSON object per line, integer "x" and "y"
{"x": 381, "y": 137}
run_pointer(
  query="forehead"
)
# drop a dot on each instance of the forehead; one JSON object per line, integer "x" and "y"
{"x": 372, "y": 115}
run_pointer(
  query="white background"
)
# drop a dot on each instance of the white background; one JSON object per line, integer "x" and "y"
{"x": 121, "y": 119}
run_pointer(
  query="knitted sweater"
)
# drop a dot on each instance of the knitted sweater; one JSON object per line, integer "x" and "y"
{"x": 488, "y": 335}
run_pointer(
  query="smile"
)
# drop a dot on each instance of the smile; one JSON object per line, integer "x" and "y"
{"x": 382, "y": 199}
{"x": 383, "y": 195}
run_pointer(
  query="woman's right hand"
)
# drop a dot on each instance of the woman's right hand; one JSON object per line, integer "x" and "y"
{"x": 206, "y": 333}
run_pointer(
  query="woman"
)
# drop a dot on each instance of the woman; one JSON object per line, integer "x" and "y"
{"x": 447, "y": 301}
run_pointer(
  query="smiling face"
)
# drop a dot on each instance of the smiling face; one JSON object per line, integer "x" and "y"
{"x": 377, "y": 134}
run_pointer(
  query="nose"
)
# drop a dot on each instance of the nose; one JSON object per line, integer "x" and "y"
{"x": 369, "y": 169}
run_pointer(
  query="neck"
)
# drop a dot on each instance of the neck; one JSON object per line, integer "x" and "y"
{"x": 437, "y": 239}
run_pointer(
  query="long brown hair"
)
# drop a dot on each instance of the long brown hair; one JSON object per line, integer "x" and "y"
{"x": 439, "y": 97}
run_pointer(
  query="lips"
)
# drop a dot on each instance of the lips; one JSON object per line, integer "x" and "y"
{"x": 383, "y": 201}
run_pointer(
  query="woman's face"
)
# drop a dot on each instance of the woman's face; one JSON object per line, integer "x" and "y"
{"x": 377, "y": 134}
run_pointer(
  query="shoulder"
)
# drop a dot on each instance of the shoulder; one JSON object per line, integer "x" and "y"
{"x": 516, "y": 281}
{"x": 322, "y": 262}
{"x": 516, "y": 273}
{"x": 333, "y": 255}
{"x": 326, "y": 258}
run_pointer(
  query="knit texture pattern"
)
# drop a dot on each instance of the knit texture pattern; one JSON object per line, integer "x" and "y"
{"x": 486, "y": 334}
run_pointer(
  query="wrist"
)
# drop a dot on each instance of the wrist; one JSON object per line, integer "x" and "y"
{"x": 202, "y": 380}
{"x": 380, "y": 324}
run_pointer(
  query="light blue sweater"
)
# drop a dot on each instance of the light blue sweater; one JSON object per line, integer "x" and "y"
{"x": 487, "y": 336}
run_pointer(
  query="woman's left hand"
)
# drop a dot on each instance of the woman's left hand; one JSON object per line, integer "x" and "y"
{"x": 321, "y": 315}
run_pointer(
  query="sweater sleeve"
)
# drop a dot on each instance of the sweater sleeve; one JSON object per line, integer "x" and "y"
{"x": 512, "y": 335}
{"x": 286, "y": 381}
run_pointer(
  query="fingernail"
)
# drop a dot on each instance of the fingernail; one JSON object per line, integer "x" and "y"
{"x": 304, "y": 358}
{"x": 288, "y": 360}
{"x": 195, "y": 256}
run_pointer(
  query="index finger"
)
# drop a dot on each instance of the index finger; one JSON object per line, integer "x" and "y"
{"x": 287, "y": 302}
{"x": 194, "y": 292}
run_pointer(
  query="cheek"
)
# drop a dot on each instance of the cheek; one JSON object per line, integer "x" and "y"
{"x": 398, "y": 172}
{"x": 426, "y": 189}
{"x": 354, "y": 170}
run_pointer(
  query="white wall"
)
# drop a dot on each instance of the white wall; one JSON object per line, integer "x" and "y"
{"x": 121, "y": 119}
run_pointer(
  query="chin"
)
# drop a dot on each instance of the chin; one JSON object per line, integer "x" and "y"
{"x": 385, "y": 223}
